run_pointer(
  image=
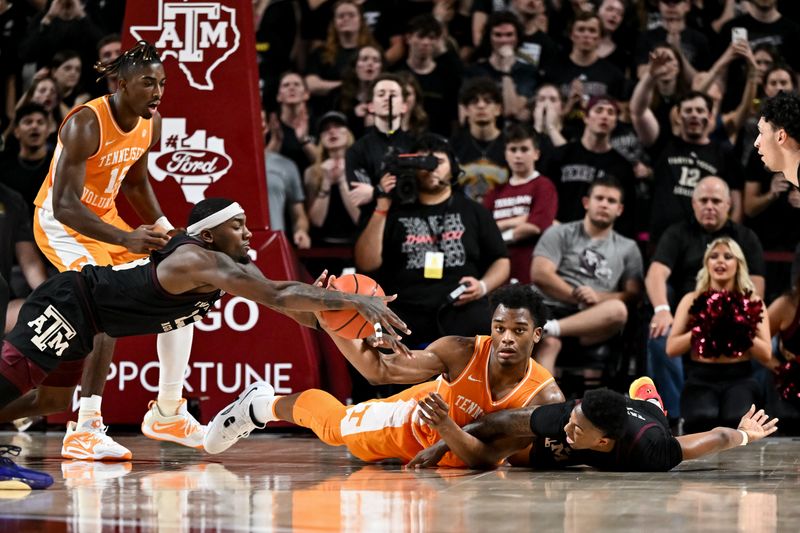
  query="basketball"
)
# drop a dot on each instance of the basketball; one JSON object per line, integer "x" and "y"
{"x": 347, "y": 323}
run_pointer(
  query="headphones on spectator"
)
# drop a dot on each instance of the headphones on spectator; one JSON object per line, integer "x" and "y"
{"x": 455, "y": 167}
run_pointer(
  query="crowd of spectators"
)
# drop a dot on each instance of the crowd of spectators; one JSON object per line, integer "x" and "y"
{"x": 593, "y": 148}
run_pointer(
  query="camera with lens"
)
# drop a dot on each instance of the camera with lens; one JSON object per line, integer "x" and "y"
{"x": 405, "y": 168}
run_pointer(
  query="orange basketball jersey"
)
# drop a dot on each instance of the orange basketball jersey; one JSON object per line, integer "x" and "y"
{"x": 391, "y": 427}
{"x": 106, "y": 168}
{"x": 470, "y": 397}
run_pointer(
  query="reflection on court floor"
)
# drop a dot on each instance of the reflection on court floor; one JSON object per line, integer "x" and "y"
{"x": 295, "y": 483}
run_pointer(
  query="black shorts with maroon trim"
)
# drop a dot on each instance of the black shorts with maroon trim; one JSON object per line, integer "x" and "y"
{"x": 55, "y": 324}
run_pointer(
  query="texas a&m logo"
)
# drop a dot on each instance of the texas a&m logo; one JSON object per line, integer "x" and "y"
{"x": 195, "y": 161}
{"x": 200, "y": 35}
{"x": 52, "y": 331}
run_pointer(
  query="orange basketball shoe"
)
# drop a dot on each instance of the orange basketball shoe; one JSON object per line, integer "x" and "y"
{"x": 644, "y": 389}
{"x": 180, "y": 428}
{"x": 90, "y": 443}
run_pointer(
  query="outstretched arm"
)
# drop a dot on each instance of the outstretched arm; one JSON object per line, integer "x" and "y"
{"x": 198, "y": 269}
{"x": 482, "y": 443}
{"x": 474, "y": 452}
{"x": 756, "y": 424}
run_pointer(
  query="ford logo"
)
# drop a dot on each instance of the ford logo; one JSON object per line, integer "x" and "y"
{"x": 193, "y": 162}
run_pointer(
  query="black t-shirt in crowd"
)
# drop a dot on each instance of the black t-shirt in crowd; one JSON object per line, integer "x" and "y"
{"x": 647, "y": 445}
{"x": 385, "y": 19}
{"x": 600, "y": 78}
{"x": 293, "y": 148}
{"x": 573, "y": 168}
{"x": 467, "y": 236}
{"x": 440, "y": 92}
{"x": 483, "y": 163}
{"x": 275, "y": 38}
{"x": 24, "y": 176}
{"x": 694, "y": 45}
{"x": 683, "y": 245}
{"x": 365, "y": 159}
{"x": 677, "y": 170}
{"x": 783, "y": 34}
{"x": 524, "y": 75}
{"x": 315, "y": 21}
{"x": 777, "y": 226}
{"x": 15, "y": 226}
{"x": 463, "y": 230}
{"x": 543, "y": 52}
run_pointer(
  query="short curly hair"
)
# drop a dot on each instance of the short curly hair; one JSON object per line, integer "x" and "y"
{"x": 519, "y": 296}
{"x": 782, "y": 111}
{"x": 607, "y": 410}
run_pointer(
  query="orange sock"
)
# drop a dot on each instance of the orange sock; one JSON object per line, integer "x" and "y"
{"x": 321, "y": 413}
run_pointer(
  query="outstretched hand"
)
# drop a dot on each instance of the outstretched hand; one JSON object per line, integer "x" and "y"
{"x": 389, "y": 342}
{"x": 375, "y": 311}
{"x": 757, "y": 424}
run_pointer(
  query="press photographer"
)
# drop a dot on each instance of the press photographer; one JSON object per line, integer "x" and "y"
{"x": 404, "y": 167}
{"x": 365, "y": 159}
{"x": 423, "y": 246}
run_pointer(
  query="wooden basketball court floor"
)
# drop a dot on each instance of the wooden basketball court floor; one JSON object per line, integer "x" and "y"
{"x": 293, "y": 482}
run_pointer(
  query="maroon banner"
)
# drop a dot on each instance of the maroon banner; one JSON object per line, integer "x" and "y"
{"x": 211, "y": 142}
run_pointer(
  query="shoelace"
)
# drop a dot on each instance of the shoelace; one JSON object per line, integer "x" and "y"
{"x": 9, "y": 449}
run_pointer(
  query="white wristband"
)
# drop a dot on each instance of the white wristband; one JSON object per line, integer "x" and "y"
{"x": 483, "y": 287}
{"x": 745, "y": 438}
{"x": 663, "y": 307}
{"x": 164, "y": 223}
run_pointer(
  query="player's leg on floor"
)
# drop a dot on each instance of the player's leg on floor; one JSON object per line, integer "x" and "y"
{"x": 237, "y": 420}
{"x": 87, "y": 439}
{"x": 167, "y": 417}
{"x": 314, "y": 409}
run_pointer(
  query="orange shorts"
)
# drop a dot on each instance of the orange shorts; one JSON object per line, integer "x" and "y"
{"x": 388, "y": 428}
{"x": 69, "y": 250}
{"x": 372, "y": 430}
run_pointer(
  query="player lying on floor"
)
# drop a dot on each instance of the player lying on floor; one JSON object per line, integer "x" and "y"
{"x": 605, "y": 430}
{"x": 477, "y": 375}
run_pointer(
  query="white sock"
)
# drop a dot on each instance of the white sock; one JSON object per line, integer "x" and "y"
{"x": 174, "y": 348}
{"x": 262, "y": 409}
{"x": 552, "y": 328}
{"x": 89, "y": 408}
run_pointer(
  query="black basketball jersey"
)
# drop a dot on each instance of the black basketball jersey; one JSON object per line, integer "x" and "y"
{"x": 60, "y": 318}
{"x": 128, "y": 300}
{"x": 646, "y": 446}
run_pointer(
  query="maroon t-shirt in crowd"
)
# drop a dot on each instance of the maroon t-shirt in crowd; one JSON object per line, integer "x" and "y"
{"x": 538, "y": 200}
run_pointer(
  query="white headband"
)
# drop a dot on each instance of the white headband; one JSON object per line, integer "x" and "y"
{"x": 215, "y": 219}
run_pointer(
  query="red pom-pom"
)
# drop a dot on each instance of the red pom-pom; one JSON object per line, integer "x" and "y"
{"x": 724, "y": 323}
{"x": 787, "y": 381}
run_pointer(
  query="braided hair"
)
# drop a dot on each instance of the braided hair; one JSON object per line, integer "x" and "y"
{"x": 143, "y": 53}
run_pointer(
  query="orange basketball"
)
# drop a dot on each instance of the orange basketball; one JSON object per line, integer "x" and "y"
{"x": 348, "y": 323}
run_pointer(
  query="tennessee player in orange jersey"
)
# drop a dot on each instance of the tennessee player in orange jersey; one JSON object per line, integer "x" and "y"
{"x": 476, "y": 376}
{"x": 102, "y": 149}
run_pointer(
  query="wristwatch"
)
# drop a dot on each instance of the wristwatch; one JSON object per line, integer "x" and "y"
{"x": 307, "y": 139}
